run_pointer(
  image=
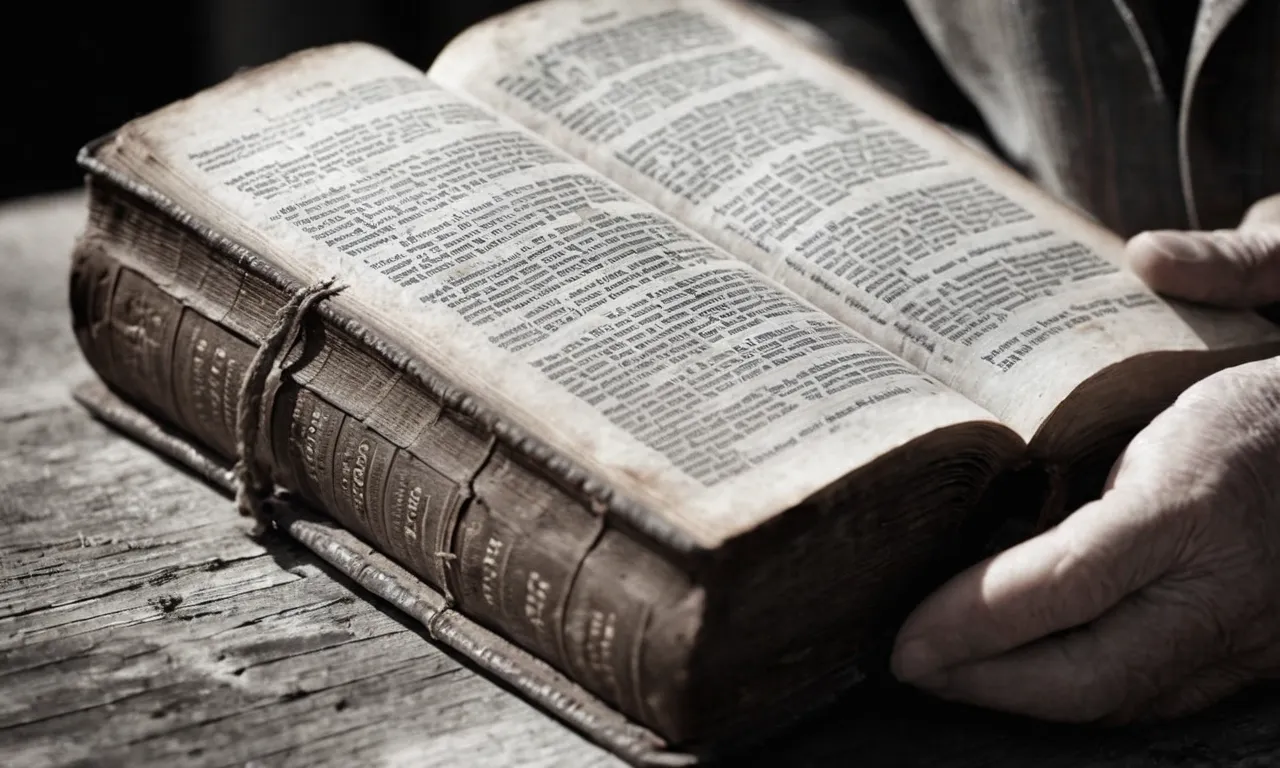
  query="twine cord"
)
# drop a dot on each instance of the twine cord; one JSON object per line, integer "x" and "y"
{"x": 252, "y": 477}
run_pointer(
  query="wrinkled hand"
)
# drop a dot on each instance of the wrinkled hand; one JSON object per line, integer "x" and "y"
{"x": 1163, "y": 596}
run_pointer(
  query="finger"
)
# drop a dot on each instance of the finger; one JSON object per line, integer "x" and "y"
{"x": 1203, "y": 688}
{"x": 1063, "y": 578}
{"x": 1265, "y": 212}
{"x": 1230, "y": 268}
{"x": 1130, "y": 654}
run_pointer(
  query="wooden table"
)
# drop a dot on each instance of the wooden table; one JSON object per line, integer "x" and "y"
{"x": 140, "y": 625}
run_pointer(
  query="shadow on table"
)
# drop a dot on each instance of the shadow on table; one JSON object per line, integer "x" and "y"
{"x": 894, "y": 726}
{"x": 884, "y": 724}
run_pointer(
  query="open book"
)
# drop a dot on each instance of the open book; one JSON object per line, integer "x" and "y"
{"x": 674, "y": 354}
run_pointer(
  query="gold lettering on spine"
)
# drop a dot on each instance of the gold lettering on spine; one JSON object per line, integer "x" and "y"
{"x": 310, "y": 446}
{"x": 199, "y": 380}
{"x": 351, "y": 478}
{"x": 230, "y": 400}
{"x": 490, "y": 573}
{"x": 601, "y": 629}
{"x": 416, "y": 504}
{"x": 537, "y": 591}
{"x": 217, "y": 371}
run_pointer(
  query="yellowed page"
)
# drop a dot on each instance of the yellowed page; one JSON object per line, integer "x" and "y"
{"x": 673, "y": 372}
{"x": 810, "y": 174}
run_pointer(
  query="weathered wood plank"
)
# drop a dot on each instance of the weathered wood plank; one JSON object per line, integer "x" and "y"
{"x": 36, "y": 347}
{"x": 138, "y": 622}
{"x": 140, "y": 625}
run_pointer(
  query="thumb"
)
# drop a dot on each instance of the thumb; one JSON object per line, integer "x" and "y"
{"x": 1228, "y": 268}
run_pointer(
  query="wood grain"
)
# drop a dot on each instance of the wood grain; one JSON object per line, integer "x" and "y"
{"x": 139, "y": 625}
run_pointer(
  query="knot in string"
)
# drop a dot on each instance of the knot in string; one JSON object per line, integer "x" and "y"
{"x": 252, "y": 477}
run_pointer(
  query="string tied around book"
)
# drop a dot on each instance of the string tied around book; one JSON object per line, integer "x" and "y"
{"x": 252, "y": 478}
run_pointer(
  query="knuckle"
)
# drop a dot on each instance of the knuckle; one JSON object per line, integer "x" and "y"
{"x": 1263, "y": 243}
{"x": 1244, "y": 250}
{"x": 1107, "y": 693}
{"x": 1207, "y": 623}
{"x": 1085, "y": 583}
{"x": 1139, "y": 685}
{"x": 1099, "y": 686}
{"x": 1192, "y": 697}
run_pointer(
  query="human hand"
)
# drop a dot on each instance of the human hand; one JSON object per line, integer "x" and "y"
{"x": 1163, "y": 596}
{"x": 1226, "y": 268}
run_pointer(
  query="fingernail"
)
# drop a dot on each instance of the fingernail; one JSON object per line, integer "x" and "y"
{"x": 916, "y": 663}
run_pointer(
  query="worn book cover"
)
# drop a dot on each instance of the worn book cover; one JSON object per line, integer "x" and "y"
{"x": 669, "y": 358}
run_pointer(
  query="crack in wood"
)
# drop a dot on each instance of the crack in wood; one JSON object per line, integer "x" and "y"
{"x": 69, "y": 604}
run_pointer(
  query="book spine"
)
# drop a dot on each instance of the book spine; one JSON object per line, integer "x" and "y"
{"x": 174, "y": 327}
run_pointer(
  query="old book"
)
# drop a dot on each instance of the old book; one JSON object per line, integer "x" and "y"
{"x": 672, "y": 359}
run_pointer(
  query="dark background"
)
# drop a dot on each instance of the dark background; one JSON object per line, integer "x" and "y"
{"x": 73, "y": 72}
{"x": 76, "y": 71}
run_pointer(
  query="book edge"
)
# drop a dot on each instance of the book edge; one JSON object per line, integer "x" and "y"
{"x": 499, "y": 659}
{"x": 598, "y": 495}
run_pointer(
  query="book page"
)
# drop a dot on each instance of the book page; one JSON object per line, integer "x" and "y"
{"x": 673, "y": 372}
{"x": 810, "y": 174}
